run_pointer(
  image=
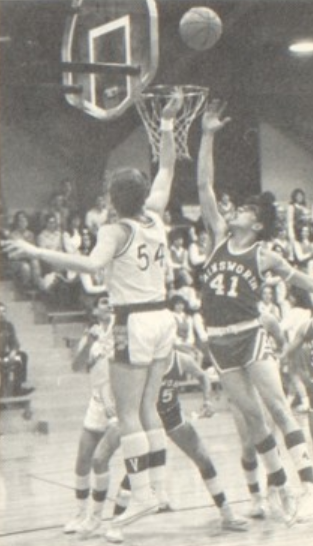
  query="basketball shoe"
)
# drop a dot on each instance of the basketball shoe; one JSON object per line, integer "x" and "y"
{"x": 231, "y": 522}
{"x": 257, "y": 507}
{"x": 114, "y": 534}
{"x": 74, "y": 524}
{"x": 89, "y": 525}
{"x": 305, "y": 508}
{"x": 282, "y": 504}
{"x": 136, "y": 509}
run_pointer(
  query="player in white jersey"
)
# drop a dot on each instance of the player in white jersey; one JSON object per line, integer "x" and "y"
{"x": 100, "y": 436}
{"x": 133, "y": 248}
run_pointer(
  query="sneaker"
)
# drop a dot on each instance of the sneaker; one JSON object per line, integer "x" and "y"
{"x": 257, "y": 508}
{"x": 89, "y": 525}
{"x": 114, "y": 534}
{"x": 274, "y": 503}
{"x": 289, "y": 505}
{"x": 136, "y": 509}
{"x": 305, "y": 508}
{"x": 232, "y": 523}
{"x": 302, "y": 408}
{"x": 74, "y": 524}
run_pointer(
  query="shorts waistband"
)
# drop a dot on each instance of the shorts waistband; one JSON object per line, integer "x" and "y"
{"x": 140, "y": 307}
{"x": 219, "y": 331}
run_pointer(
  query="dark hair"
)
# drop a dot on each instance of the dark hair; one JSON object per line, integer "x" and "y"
{"x": 73, "y": 214}
{"x": 301, "y": 297}
{"x": 294, "y": 194}
{"x": 129, "y": 189}
{"x": 266, "y": 213}
{"x": 177, "y": 299}
{"x": 17, "y": 215}
{"x": 48, "y": 217}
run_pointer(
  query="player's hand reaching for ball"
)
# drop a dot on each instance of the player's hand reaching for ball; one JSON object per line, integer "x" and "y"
{"x": 212, "y": 120}
{"x": 174, "y": 104}
{"x": 19, "y": 249}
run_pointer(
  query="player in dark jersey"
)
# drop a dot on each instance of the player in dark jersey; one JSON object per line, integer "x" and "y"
{"x": 185, "y": 436}
{"x": 237, "y": 342}
{"x": 304, "y": 335}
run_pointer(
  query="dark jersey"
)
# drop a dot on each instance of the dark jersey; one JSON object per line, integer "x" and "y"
{"x": 231, "y": 286}
{"x": 168, "y": 395}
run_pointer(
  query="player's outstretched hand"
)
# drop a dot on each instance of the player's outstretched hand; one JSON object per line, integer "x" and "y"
{"x": 174, "y": 104}
{"x": 19, "y": 249}
{"x": 212, "y": 118}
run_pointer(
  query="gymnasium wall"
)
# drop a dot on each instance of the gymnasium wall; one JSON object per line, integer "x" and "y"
{"x": 285, "y": 165}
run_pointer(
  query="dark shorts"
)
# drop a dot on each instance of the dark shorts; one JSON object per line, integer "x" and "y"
{"x": 236, "y": 351}
{"x": 173, "y": 418}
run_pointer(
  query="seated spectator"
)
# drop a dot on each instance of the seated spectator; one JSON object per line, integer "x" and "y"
{"x": 21, "y": 268}
{"x": 185, "y": 331}
{"x": 281, "y": 242}
{"x": 198, "y": 250}
{"x": 51, "y": 236}
{"x": 178, "y": 252}
{"x": 267, "y": 305}
{"x": 59, "y": 210}
{"x": 168, "y": 223}
{"x": 13, "y": 361}
{"x": 72, "y": 239}
{"x": 225, "y": 205}
{"x": 97, "y": 216}
{"x": 92, "y": 286}
{"x": 303, "y": 249}
{"x": 281, "y": 217}
{"x": 184, "y": 287}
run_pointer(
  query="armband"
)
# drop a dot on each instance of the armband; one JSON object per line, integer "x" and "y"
{"x": 167, "y": 124}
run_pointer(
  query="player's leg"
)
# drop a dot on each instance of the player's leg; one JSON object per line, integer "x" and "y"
{"x": 188, "y": 440}
{"x": 265, "y": 374}
{"x": 249, "y": 464}
{"x": 242, "y": 393}
{"x": 88, "y": 442}
{"x": 155, "y": 431}
{"x": 107, "y": 446}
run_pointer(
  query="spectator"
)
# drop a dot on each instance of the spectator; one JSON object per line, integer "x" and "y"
{"x": 184, "y": 322}
{"x": 267, "y": 304}
{"x": 68, "y": 190}
{"x": 225, "y": 205}
{"x": 178, "y": 252}
{"x": 282, "y": 242}
{"x": 50, "y": 237}
{"x": 21, "y": 268}
{"x": 58, "y": 208}
{"x": 72, "y": 239}
{"x": 13, "y": 361}
{"x": 303, "y": 249}
{"x": 97, "y": 216}
{"x": 92, "y": 286}
{"x": 297, "y": 213}
{"x": 184, "y": 287}
{"x": 198, "y": 250}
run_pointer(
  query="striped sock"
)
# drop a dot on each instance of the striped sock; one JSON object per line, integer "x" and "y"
{"x": 250, "y": 469}
{"x": 82, "y": 489}
{"x": 136, "y": 456}
{"x": 213, "y": 485}
{"x": 268, "y": 451}
{"x": 296, "y": 445}
{"x": 99, "y": 492}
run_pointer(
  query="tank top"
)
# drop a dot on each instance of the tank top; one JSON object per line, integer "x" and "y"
{"x": 168, "y": 395}
{"x": 231, "y": 286}
{"x": 137, "y": 273}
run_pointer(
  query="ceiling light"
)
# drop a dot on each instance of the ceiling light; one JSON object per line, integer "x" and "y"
{"x": 305, "y": 47}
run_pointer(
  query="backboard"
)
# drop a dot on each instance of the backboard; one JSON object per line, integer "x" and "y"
{"x": 110, "y": 52}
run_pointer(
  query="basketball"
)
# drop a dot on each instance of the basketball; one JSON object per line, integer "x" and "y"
{"x": 200, "y": 28}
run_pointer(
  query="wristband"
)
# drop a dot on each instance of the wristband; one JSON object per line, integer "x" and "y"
{"x": 167, "y": 124}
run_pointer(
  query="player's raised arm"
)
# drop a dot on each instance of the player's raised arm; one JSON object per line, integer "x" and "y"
{"x": 272, "y": 261}
{"x": 162, "y": 184}
{"x": 211, "y": 124}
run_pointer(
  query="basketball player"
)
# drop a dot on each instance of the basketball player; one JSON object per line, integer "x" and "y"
{"x": 237, "y": 342}
{"x": 134, "y": 249}
{"x": 100, "y": 435}
{"x": 185, "y": 436}
{"x": 304, "y": 334}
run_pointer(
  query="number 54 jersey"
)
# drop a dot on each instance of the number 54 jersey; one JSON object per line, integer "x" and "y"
{"x": 137, "y": 274}
{"x": 231, "y": 286}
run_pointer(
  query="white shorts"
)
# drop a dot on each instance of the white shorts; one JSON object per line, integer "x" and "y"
{"x": 95, "y": 418}
{"x": 146, "y": 336}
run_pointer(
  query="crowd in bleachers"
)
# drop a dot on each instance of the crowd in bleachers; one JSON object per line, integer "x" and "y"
{"x": 61, "y": 226}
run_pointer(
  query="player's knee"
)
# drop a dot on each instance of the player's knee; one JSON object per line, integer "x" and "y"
{"x": 280, "y": 412}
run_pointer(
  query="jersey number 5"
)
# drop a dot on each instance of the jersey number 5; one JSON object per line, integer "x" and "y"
{"x": 219, "y": 286}
{"x": 144, "y": 258}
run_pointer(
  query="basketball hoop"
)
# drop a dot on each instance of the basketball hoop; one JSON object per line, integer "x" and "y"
{"x": 150, "y": 105}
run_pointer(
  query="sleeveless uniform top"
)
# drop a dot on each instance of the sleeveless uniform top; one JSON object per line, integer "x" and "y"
{"x": 231, "y": 286}
{"x": 168, "y": 395}
{"x": 137, "y": 273}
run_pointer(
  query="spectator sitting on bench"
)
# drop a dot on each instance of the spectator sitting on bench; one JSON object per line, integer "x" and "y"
{"x": 13, "y": 362}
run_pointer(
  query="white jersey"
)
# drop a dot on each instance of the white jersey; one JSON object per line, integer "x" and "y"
{"x": 137, "y": 274}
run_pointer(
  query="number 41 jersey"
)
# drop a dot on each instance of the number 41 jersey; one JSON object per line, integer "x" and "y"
{"x": 231, "y": 286}
{"x": 137, "y": 274}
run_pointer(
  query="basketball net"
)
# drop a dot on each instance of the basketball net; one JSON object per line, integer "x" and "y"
{"x": 150, "y": 106}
